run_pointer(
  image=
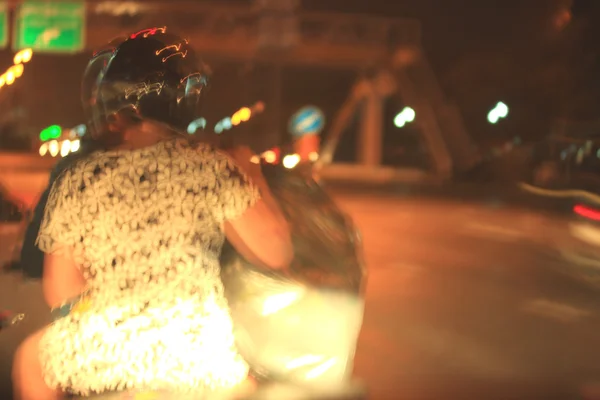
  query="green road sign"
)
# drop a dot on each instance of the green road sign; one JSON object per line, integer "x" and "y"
{"x": 3, "y": 25}
{"x": 57, "y": 27}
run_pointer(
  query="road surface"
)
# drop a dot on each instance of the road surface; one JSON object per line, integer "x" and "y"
{"x": 465, "y": 299}
{"x": 470, "y": 299}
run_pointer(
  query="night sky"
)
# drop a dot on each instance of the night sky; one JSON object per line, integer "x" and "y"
{"x": 520, "y": 52}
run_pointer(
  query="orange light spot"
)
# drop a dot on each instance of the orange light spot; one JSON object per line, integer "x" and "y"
{"x": 148, "y": 32}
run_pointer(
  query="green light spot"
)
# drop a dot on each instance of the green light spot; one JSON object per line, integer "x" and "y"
{"x": 51, "y": 132}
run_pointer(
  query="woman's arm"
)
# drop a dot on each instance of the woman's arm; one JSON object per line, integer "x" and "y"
{"x": 62, "y": 279}
{"x": 260, "y": 233}
{"x": 59, "y": 238}
{"x": 261, "y": 237}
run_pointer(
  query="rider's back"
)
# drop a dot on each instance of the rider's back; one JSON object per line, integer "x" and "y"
{"x": 146, "y": 229}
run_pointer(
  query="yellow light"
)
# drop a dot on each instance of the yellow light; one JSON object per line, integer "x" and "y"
{"x": 54, "y": 148}
{"x": 313, "y": 156}
{"x": 245, "y": 113}
{"x": 10, "y": 77}
{"x": 236, "y": 119}
{"x": 23, "y": 56}
{"x": 65, "y": 148}
{"x": 17, "y": 70}
{"x": 269, "y": 156}
{"x": 75, "y": 144}
{"x": 43, "y": 149}
{"x": 290, "y": 161}
{"x": 255, "y": 160}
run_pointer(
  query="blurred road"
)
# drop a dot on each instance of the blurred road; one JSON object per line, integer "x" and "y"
{"x": 466, "y": 299}
{"x": 471, "y": 300}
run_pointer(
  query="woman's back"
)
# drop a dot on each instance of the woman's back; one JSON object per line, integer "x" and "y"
{"x": 145, "y": 226}
{"x": 146, "y": 215}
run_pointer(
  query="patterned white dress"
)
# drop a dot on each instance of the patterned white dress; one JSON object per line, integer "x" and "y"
{"x": 146, "y": 228}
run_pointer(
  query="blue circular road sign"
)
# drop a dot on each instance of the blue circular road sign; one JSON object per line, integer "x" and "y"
{"x": 308, "y": 120}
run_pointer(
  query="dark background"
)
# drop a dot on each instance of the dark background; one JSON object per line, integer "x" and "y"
{"x": 538, "y": 56}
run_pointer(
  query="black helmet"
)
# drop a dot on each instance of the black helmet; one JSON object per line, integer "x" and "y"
{"x": 151, "y": 75}
{"x": 92, "y": 76}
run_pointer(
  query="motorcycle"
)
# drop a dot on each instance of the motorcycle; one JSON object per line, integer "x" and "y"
{"x": 301, "y": 327}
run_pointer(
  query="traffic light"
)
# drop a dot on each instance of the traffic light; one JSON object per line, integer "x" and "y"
{"x": 51, "y": 132}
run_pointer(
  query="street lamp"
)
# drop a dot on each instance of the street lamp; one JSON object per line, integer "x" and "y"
{"x": 498, "y": 112}
{"x": 17, "y": 70}
{"x": 10, "y": 77}
{"x": 54, "y": 148}
{"x": 403, "y": 117}
{"x": 23, "y": 56}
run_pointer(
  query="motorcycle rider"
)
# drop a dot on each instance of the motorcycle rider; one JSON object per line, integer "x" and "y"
{"x": 132, "y": 237}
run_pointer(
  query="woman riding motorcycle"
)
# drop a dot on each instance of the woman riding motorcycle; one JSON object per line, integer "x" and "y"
{"x": 132, "y": 237}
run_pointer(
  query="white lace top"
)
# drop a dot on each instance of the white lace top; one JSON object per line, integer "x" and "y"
{"x": 146, "y": 228}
